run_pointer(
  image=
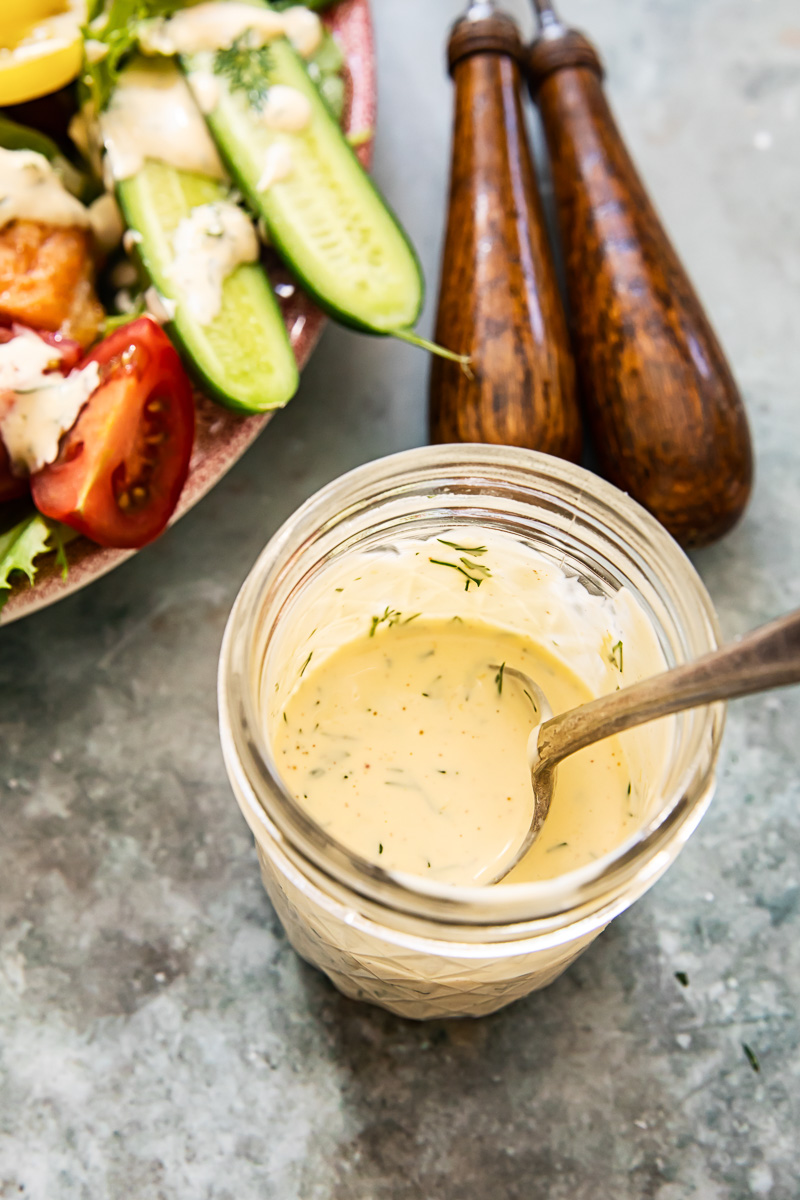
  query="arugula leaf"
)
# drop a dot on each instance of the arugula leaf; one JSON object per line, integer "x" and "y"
{"x": 115, "y": 23}
{"x": 315, "y": 5}
{"x": 21, "y": 545}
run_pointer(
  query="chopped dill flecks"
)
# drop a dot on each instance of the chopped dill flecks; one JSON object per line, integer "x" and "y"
{"x": 429, "y": 864}
{"x": 473, "y": 566}
{"x": 615, "y": 657}
{"x": 558, "y": 846}
{"x": 530, "y": 697}
{"x": 499, "y": 678}
{"x": 246, "y": 67}
{"x": 682, "y": 978}
{"x": 390, "y": 615}
{"x": 338, "y": 589}
{"x": 285, "y": 718}
{"x": 463, "y": 549}
{"x": 413, "y": 617}
{"x": 476, "y": 574}
{"x": 629, "y": 789}
{"x": 380, "y": 847}
{"x": 305, "y": 664}
{"x": 751, "y": 1057}
{"x": 427, "y": 695}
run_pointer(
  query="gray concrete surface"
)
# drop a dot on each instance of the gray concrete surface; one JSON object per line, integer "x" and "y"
{"x": 158, "y": 1039}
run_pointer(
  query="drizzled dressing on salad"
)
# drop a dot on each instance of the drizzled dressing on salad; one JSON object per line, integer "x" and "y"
{"x": 209, "y": 245}
{"x": 152, "y": 115}
{"x": 164, "y": 103}
{"x": 43, "y": 402}
{"x": 214, "y": 24}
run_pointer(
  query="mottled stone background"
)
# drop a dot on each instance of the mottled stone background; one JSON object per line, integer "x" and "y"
{"x": 158, "y": 1037}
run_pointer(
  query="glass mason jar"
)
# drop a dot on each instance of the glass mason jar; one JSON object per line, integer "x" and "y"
{"x": 419, "y": 948}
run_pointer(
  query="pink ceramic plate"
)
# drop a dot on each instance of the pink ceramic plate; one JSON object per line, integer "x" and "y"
{"x": 222, "y": 437}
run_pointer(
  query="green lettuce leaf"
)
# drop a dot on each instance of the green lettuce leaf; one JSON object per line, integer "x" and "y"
{"x": 315, "y": 5}
{"x": 24, "y": 543}
{"x": 116, "y": 24}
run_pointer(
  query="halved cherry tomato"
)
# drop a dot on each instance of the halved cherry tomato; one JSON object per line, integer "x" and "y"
{"x": 121, "y": 467}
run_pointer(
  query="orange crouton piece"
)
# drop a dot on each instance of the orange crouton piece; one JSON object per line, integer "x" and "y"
{"x": 47, "y": 280}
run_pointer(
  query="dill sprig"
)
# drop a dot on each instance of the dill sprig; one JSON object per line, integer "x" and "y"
{"x": 499, "y": 678}
{"x": 474, "y": 572}
{"x": 463, "y": 549}
{"x": 390, "y": 617}
{"x": 751, "y": 1057}
{"x": 246, "y": 68}
{"x": 615, "y": 657}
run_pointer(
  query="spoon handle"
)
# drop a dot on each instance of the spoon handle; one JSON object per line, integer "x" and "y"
{"x": 769, "y": 657}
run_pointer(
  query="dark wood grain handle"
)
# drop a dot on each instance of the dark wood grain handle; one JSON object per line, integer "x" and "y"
{"x": 499, "y": 299}
{"x": 666, "y": 415}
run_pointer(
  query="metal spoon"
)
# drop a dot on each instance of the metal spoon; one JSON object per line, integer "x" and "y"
{"x": 768, "y": 657}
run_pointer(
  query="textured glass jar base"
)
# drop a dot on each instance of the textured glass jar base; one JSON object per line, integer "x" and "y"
{"x": 425, "y": 978}
{"x": 417, "y": 978}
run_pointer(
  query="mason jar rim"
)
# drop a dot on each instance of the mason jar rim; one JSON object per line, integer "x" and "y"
{"x": 521, "y": 905}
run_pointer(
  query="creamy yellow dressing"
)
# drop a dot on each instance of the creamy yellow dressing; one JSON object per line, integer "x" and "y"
{"x": 278, "y": 165}
{"x": 209, "y": 244}
{"x": 408, "y": 747}
{"x": 214, "y": 25}
{"x": 287, "y": 109}
{"x": 152, "y": 115}
{"x": 39, "y": 404}
{"x": 30, "y": 190}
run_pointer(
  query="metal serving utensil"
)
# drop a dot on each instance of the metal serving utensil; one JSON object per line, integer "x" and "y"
{"x": 768, "y": 657}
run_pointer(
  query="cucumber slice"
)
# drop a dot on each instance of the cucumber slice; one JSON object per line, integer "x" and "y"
{"x": 326, "y": 219}
{"x": 243, "y": 357}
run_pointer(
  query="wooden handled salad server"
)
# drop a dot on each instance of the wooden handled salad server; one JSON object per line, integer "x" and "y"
{"x": 499, "y": 300}
{"x": 668, "y": 422}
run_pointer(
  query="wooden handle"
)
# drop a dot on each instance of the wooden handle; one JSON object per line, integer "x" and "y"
{"x": 499, "y": 300}
{"x": 666, "y": 415}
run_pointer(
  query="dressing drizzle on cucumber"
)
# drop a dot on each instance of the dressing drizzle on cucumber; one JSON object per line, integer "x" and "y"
{"x": 284, "y": 148}
{"x": 323, "y": 214}
{"x": 159, "y": 202}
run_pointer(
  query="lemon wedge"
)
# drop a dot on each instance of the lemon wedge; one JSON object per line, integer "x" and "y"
{"x": 40, "y": 47}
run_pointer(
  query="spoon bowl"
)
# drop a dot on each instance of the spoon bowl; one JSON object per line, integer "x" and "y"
{"x": 766, "y": 658}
